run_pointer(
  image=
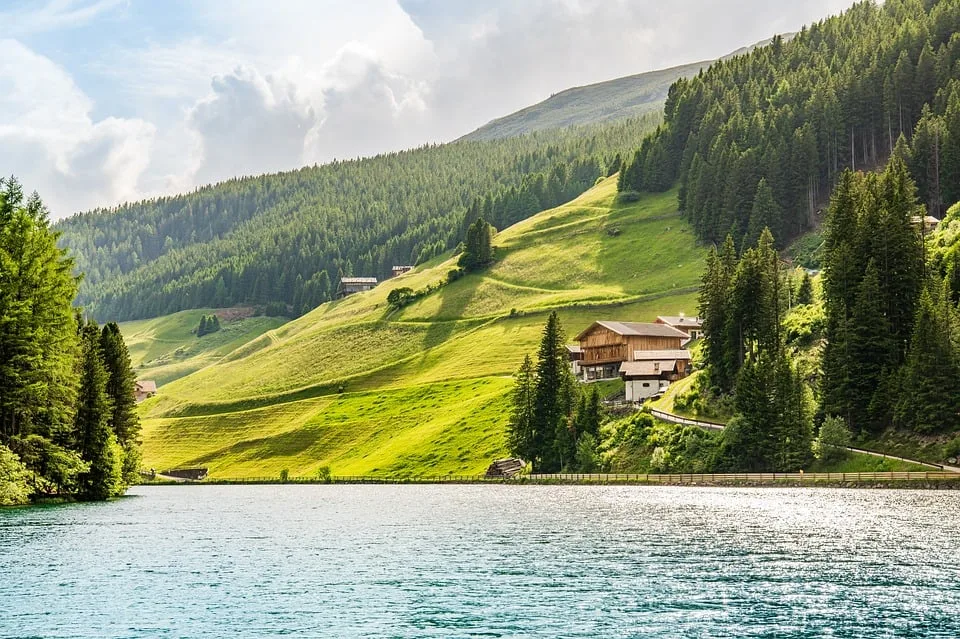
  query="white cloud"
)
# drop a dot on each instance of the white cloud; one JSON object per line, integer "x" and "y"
{"x": 55, "y": 14}
{"x": 250, "y": 124}
{"x": 248, "y": 89}
{"x": 51, "y": 143}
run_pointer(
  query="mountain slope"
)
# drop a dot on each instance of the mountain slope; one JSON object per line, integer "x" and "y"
{"x": 641, "y": 95}
{"x": 636, "y": 95}
{"x": 366, "y": 389}
{"x": 167, "y": 348}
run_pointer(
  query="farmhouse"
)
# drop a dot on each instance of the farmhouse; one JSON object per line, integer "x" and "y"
{"x": 144, "y": 389}
{"x": 692, "y": 326}
{"x": 400, "y": 270}
{"x": 351, "y": 285}
{"x": 606, "y": 345}
{"x": 651, "y": 372}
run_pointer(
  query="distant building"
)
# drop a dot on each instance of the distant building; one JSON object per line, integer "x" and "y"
{"x": 144, "y": 389}
{"x": 692, "y": 326}
{"x": 929, "y": 222}
{"x": 606, "y": 345}
{"x": 400, "y": 270}
{"x": 351, "y": 285}
{"x": 651, "y": 372}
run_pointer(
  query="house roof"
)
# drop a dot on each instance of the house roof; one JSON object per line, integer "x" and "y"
{"x": 636, "y": 329}
{"x": 678, "y": 320}
{"x": 574, "y": 348}
{"x": 648, "y": 368}
{"x": 397, "y": 268}
{"x": 652, "y": 356}
{"x": 358, "y": 280}
{"x": 147, "y": 386}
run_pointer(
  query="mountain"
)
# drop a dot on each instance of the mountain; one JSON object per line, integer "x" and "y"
{"x": 282, "y": 240}
{"x": 640, "y": 95}
{"x": 364, "y": 388}
{"x": 636, "y": 95}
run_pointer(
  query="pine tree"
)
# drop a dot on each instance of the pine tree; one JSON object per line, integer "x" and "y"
{"x": 715, "y": 312}
{"x": 930, "y": 401}
{"x": 765, "y": 213}
{"x": 874, "y": 352}
{"x": 552, "y": 397}
{"x": 97, "y": 444}
{"x": 202, "y": 329}
{"x": 124, "y": 421}
{"x": 520, "y": 435}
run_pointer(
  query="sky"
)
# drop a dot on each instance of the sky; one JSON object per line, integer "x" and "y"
{"x": 106, "y": 101}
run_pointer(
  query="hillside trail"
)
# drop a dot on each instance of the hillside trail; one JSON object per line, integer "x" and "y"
{"x": 716, "y": 426}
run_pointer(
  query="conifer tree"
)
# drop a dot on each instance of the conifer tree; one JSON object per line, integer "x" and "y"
{"x": 97, "y": 444}
{"x": 202, "y": 329}
{"x": 765, "y": 213}
{"x": 124, "y": 421}
{"x": 873, "y": 350}
{"x": 552, "y": 397}
{"x": 520, "y": 436}
{"x": 930, "y": 401}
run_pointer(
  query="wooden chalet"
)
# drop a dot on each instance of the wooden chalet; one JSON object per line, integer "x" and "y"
{"x": 692, "y": 326}
{"x": 651, "y": 372}
{"x": 351, "y": 285}
{"x": 397, "y": 271}
{"x": 606, "y": 345}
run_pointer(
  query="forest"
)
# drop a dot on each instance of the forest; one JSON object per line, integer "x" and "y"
{"x": 759, "y": 140}
{"x": 68, "y": 421}
{"x": 286, "y": 238}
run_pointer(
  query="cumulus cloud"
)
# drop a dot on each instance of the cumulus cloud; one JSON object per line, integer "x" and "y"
{"x": 53, "y": 145}
{"x": 242, "y": 90}
{"x": 250, "y": 124}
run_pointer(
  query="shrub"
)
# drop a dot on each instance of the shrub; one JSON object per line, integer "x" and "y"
{"x": 324, "y": 474}
{"x": 660, "y": 460}
{"x": 587, "y": 459}
{"x": 284, "y": 475}
{"x": 13, "y": 479}
{"x": 834, "y": 437}
{"x": 625, "y": 197}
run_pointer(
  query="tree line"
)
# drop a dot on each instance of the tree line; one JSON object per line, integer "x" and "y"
{"x": 286, "y": 238}
{"x": 68, "y": 424}
{"x": 759, "y": 140}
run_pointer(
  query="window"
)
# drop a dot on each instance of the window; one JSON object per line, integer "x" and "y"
{"x": 646, "y": 384}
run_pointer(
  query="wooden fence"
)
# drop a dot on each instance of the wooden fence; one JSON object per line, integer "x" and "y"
{"x": 620, "y": 478}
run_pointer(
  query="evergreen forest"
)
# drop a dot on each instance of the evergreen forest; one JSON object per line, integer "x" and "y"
{"x": 68, "y": 421}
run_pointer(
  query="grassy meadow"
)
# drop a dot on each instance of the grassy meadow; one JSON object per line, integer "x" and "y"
{"x": 167, "y": 348}
{"x": 366, "y": 389}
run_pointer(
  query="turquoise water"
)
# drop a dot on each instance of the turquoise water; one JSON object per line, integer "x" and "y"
{"x": 485, "y": 561}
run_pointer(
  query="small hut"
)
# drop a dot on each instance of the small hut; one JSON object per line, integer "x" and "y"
{"x": 506, "y": 468}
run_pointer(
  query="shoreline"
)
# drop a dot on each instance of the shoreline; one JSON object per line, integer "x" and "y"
{"x": 874, "y": 480}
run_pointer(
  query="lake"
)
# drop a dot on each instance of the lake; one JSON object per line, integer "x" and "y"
{"x": 485, "y": 561}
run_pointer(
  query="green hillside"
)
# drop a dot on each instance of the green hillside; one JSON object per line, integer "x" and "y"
{"x": 362, "y": 388}
{"x": 167, "y": 348}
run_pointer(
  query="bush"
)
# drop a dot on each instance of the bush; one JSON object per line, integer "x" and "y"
{"x": 454, "y": 274}
{"x": 284, "y": 475}
{"x": 660, "y": 460}
{"x": 625, "y": 197}
{"x": 834, "y": 437}
{"x": 324, "y": 474}
{"x": 13, "y": 479}
{"x": 587, "y": 459}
